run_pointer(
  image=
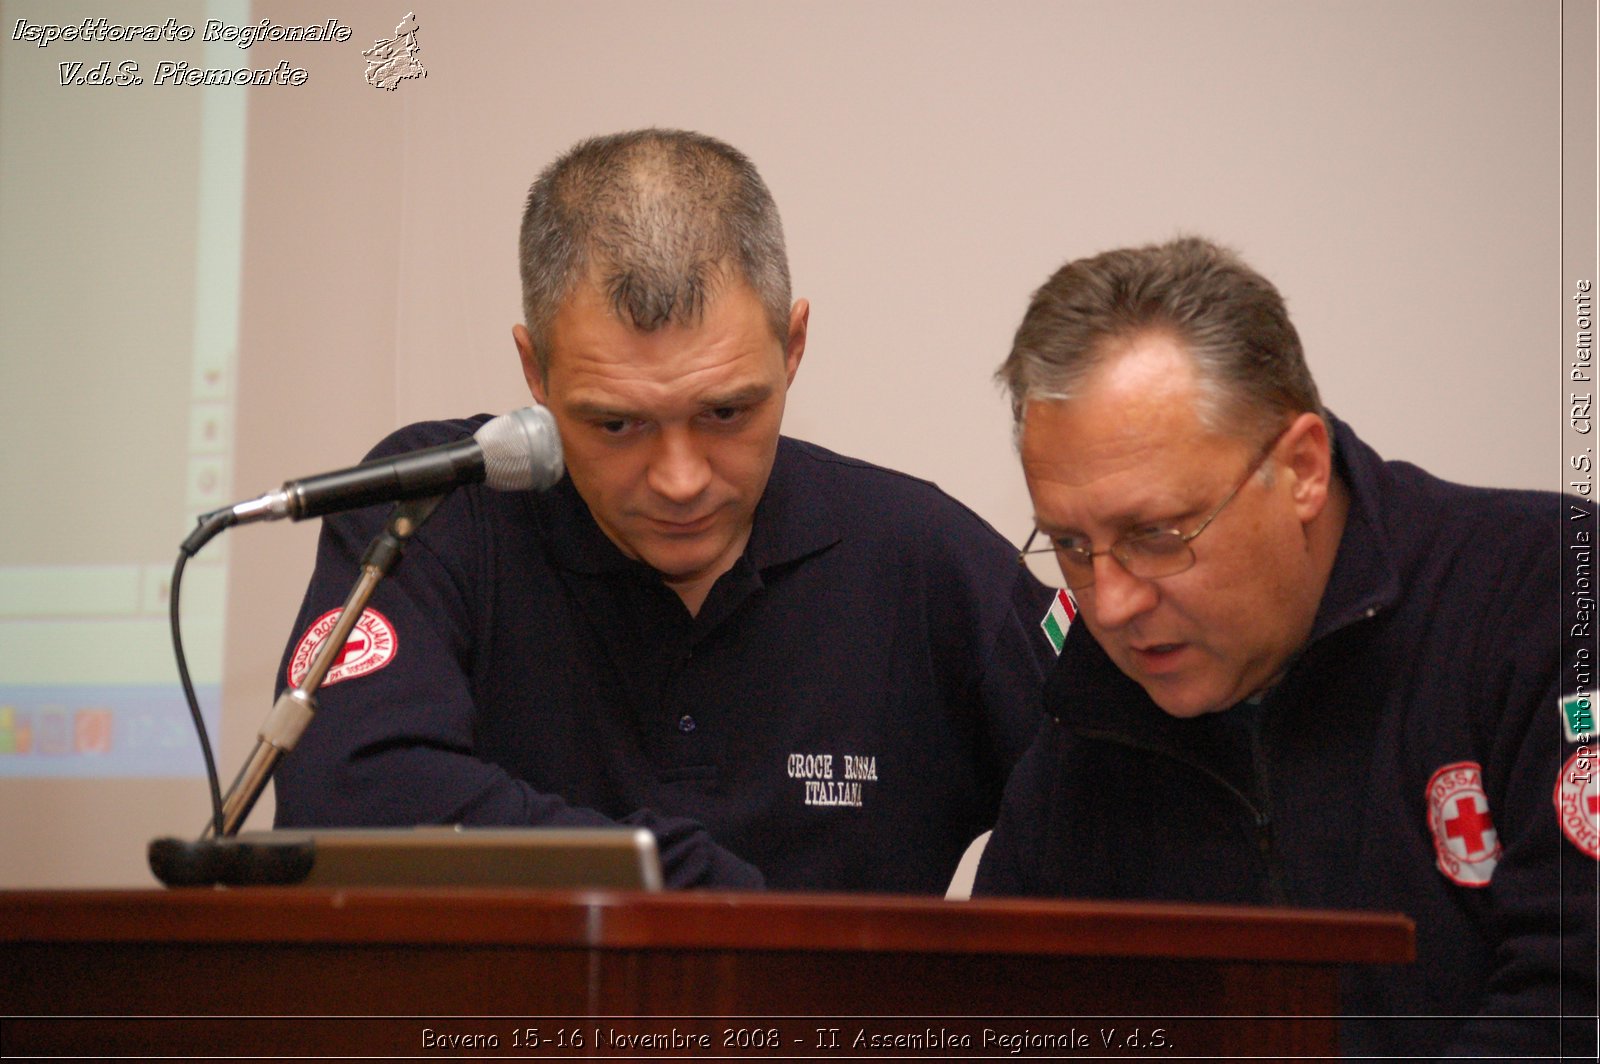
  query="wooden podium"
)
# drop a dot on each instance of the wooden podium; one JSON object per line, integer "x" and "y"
{"x": 595, "y": 975}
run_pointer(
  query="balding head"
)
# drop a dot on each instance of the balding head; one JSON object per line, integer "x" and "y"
{"x": 658, "y": 221}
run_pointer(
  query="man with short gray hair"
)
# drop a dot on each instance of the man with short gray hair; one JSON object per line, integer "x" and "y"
{"x": 793, "y": 667}
{"x": 1303, "y": 675}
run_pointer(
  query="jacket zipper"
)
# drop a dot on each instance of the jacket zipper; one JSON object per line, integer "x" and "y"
{"x": 1262, "y": 818}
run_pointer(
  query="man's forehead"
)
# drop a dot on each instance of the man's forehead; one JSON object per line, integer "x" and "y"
{"x": 1151, "y": 362}
{"x": 1137, "y": 450}
{"x": 1141, "y": 478}
{"x": 1135, "y": 385}
{"x": 1098, "y": 428}
{"x": 600, "y": 365}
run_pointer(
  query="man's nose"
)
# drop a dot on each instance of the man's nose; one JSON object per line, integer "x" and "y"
{"x": 1119, "y": 596}
{"x": 679, "y": 471}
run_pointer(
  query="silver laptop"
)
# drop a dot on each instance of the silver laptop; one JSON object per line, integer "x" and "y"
{"x": 616, "y": 858}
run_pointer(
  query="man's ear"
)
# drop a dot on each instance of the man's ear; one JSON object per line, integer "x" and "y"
{"x": 1306, "y": 452}
{"x": 530, "y": 365}
{"x": 794, "y": 347}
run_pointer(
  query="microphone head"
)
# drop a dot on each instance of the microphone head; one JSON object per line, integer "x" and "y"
{"x": 521, "y": 450}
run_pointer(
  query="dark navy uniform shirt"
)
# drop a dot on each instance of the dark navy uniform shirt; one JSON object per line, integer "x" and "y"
{"x": 1425, "y": 754}
{"x": 841, "y": 714}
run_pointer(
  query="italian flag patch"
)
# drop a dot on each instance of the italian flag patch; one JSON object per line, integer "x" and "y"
{"x": 1577, "y": 716}
{"x": 1059, "y": 618}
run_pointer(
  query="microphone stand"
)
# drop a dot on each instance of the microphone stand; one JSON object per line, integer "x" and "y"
{"x": 223, "y": 859}
{"x": 294, "y": 708}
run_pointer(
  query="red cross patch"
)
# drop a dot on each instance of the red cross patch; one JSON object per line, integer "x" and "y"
{"x": 370, "y": 646}
{"x": 1464, "y": 838}
{"x": 1578, "y": 802}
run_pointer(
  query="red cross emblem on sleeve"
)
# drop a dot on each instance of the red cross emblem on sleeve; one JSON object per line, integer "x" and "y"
{"x": 1464, "y": 838}
{"x": 1578, "y": 802}
{"x": 371, "y": 646}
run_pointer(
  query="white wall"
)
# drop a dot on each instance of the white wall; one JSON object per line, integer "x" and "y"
{"x": 1393, "y": 165}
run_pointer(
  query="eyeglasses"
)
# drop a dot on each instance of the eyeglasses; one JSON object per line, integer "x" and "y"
{"x": 1147, "y": 555}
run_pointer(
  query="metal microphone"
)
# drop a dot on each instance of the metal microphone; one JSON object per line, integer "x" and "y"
{"x": 519, "y": 451}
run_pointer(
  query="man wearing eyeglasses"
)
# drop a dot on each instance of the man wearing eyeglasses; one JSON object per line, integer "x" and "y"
{"x": 1304, "y": 675}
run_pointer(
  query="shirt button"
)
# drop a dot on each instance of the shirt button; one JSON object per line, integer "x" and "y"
{"x": 686, "y": 724}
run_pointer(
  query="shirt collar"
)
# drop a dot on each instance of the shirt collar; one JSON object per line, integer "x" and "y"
{"x": 796, "y": 516}
{"x": 1364, "y": 579}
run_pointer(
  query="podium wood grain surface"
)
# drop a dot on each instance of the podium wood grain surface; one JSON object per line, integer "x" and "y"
{"x": 379, "y": 972}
